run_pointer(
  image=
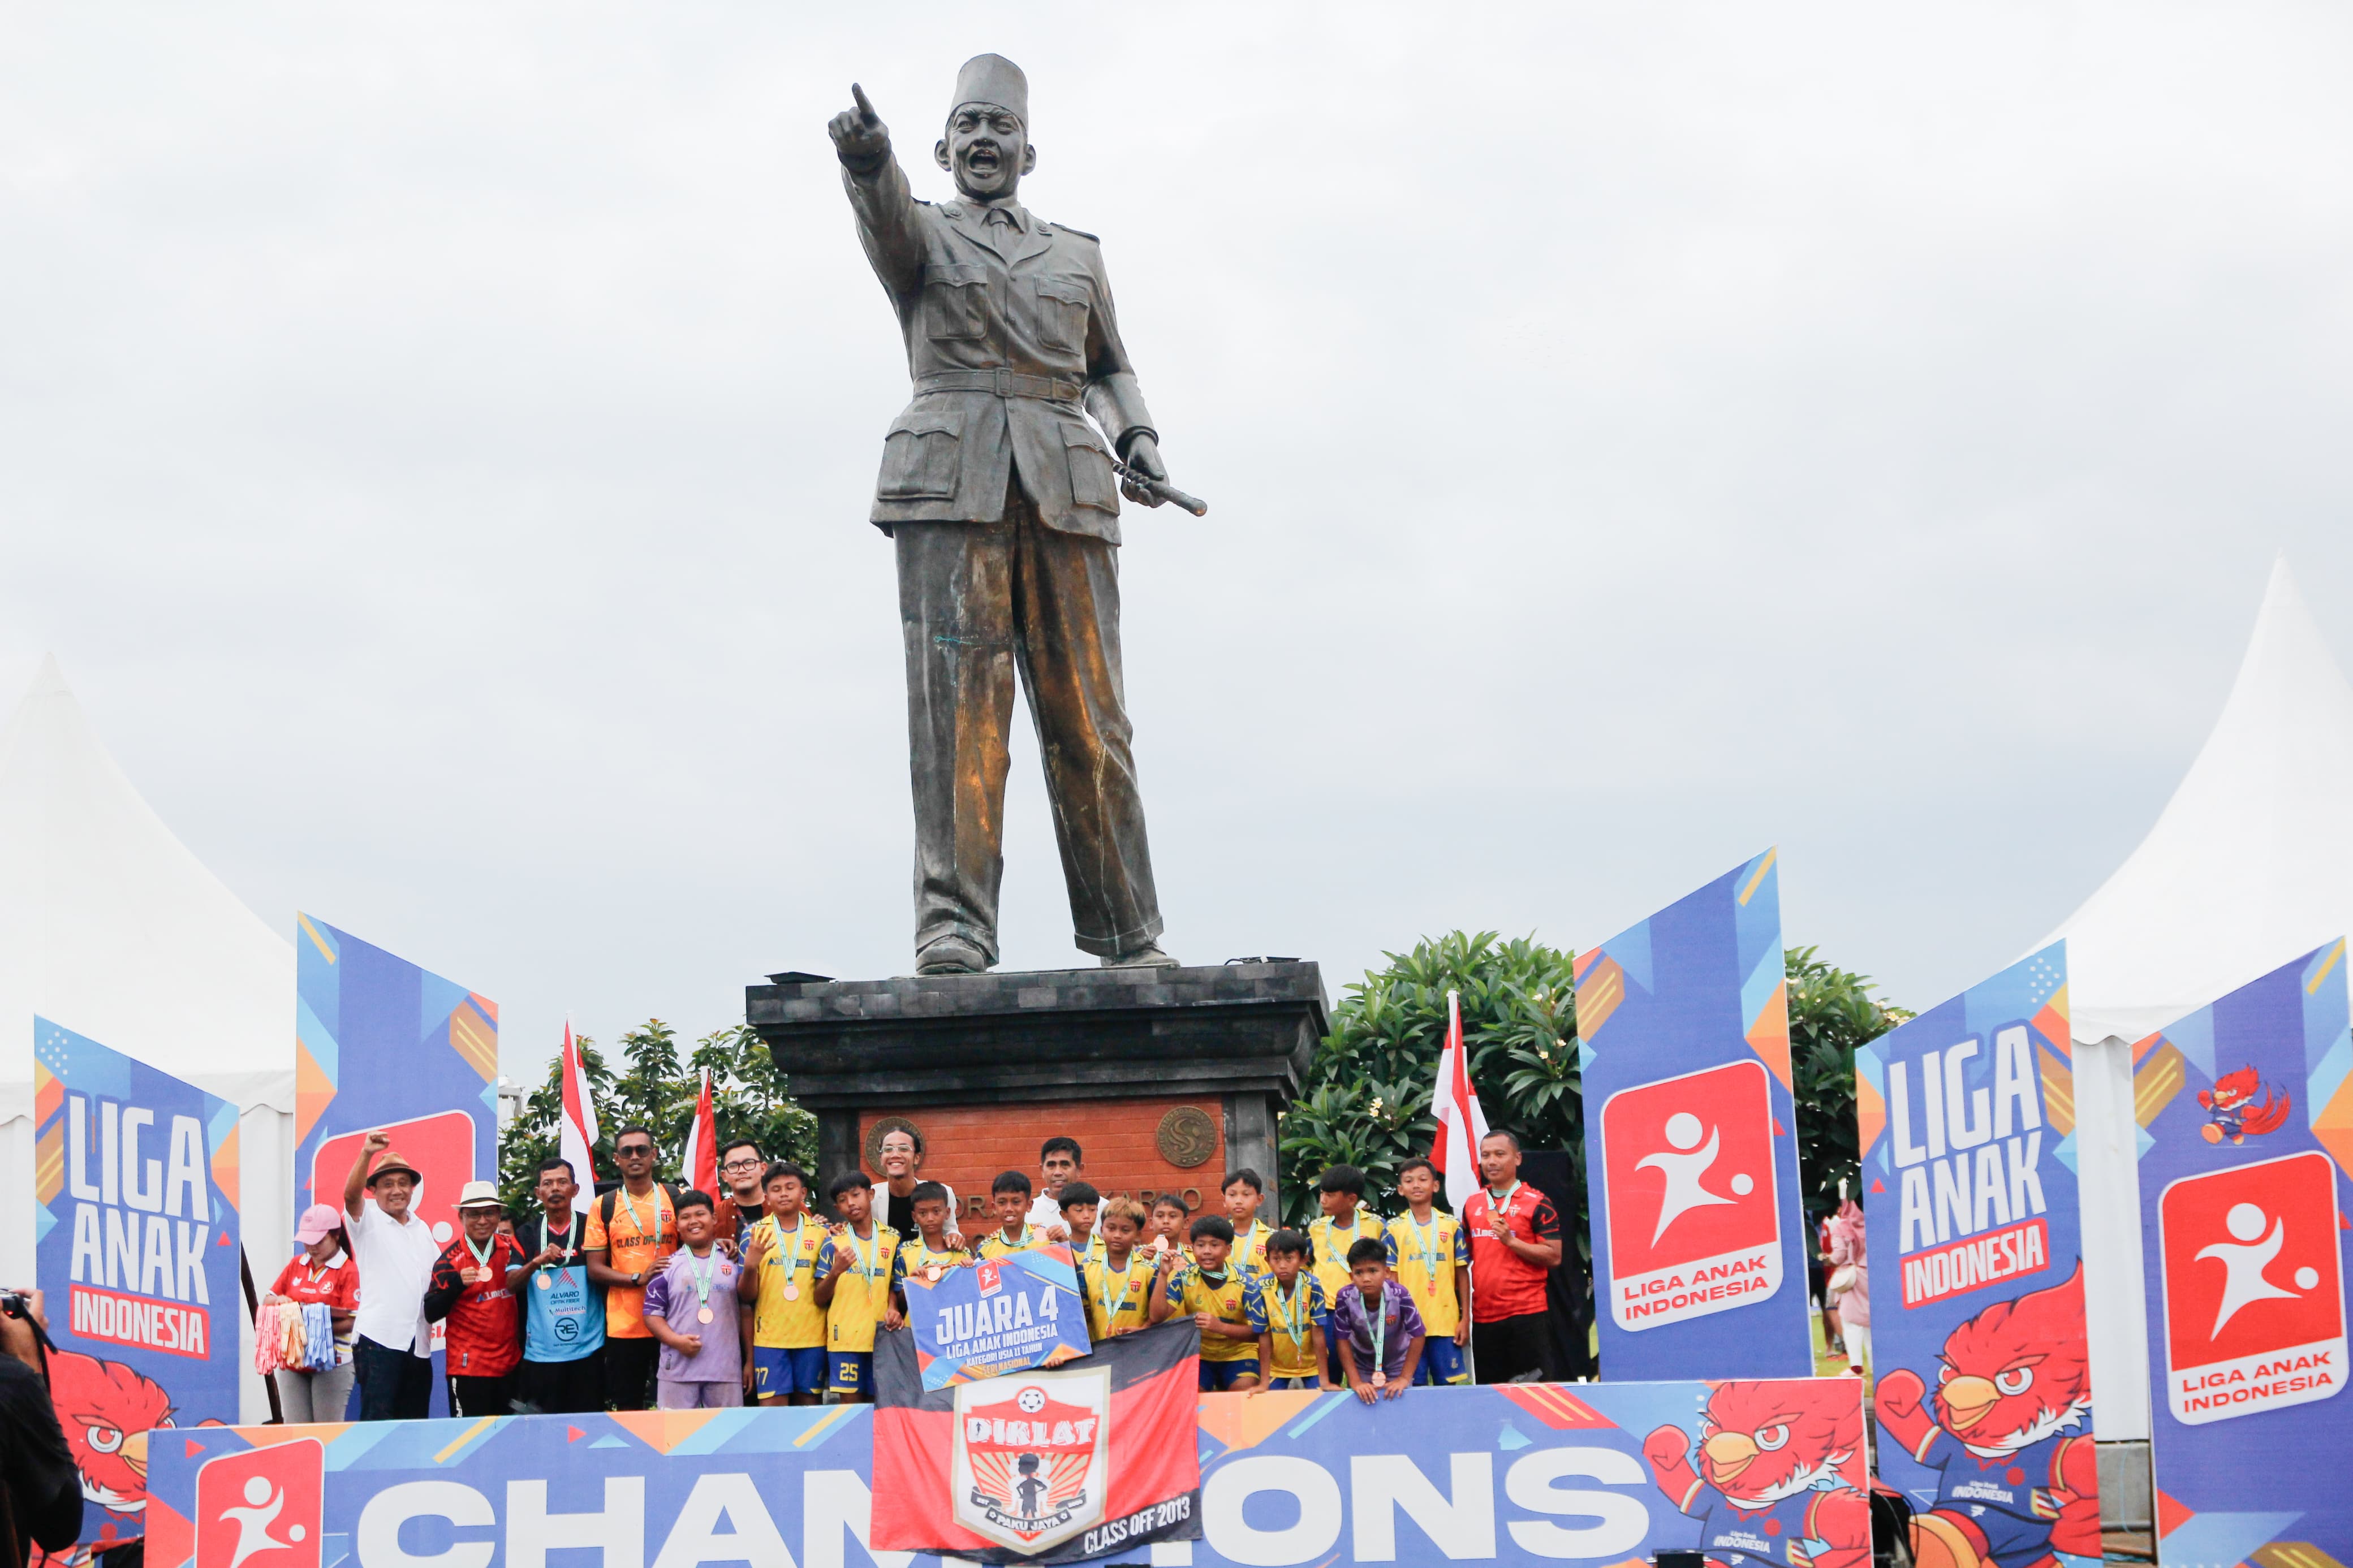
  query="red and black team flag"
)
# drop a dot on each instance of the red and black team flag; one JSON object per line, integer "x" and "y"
{"x": 1049, "y": 1466}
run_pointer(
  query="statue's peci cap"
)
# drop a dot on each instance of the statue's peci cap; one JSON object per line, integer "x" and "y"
{"x": 993, "y": 79}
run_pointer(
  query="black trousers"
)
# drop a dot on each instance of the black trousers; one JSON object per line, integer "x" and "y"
{"x": 482, "y": 1395}
{"x": 1512, "y": 1347}
{"x": 564, "y": 1387}
{"x": 629, "y": 1372}
{"x": 976, "y": 602}
{"x": 394, "y": 1385}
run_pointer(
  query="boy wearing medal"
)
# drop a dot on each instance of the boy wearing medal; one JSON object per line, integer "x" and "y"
{"x": 1081, "y": 1205}
{"x": 1169, "y": 1218}
{"x": 1119, "y": 1275}
{"x": 1286, "y": 1306}
{"x": 854, "y": 1270}
{"x": 1009, "y": 1196}
{"x": 691, "y": 1306}
{"x": 1212, "y": 1293}
{"x": 1341, "y": 1192}
{"x": 779, "y": 1278}
{"x": 1244, "y": 1190}
{"x": 564, "y": 1311}
{"x": 1430, "y": 1253}
{"x": 472, "y": 1289}
{"x": 929, "y": 1254}
{"x": 1374, "y": 1324}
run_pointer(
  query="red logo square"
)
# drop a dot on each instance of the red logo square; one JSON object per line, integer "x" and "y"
{"x": 263, "y": 1508}
{"x": 2254, "y": 1292}
{"x": 1694, "y": 1226}
{"x": 989, "y": 1281}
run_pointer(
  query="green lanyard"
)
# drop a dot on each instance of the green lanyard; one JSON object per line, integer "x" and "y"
{"x": 638, "y": 1220}
{"x": 700, "y": 1269}
{"x": 1380, "y": 1317}
{"x": 866, "y": 1261}
{"x": 1291, "y": 1312}
{"x": 1427, "y": 1245}
{"x": 791, "y": 1251}
{"x": 482, "y": 1254}
{"x": 1111, "y": 1301}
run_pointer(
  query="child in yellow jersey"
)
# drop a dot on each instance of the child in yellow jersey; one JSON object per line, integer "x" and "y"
{"x": 927, "y": 1254}
{"x": 1244, "y": 1190}
{"x": 1119, "y": 1278}
{"x": 1286, "y": 1307}
{"x": 1213, "y": 1294}
{"x": 1344, "y": 1223}
{"x": 854, "y": 1269}
{"x": 779, "y": 1279}
{"x": 1009, "y": 1196}
{"x": 1429, "y": 1254}
{"x": 1169, "y": 1218}
{"x": 1081, "y": 1205}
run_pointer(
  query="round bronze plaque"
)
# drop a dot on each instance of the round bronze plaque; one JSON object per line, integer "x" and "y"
{"x": 874, "y": 1140}
{"x": 1186, "y": 1137}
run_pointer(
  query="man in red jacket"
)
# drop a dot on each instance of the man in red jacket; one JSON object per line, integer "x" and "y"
{"x": 474, "y": 1285}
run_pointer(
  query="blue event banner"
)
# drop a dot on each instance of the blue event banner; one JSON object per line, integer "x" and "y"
{"x": 381, "y": 1043}
{"x": 1967, "y": 1124}
{"x": 1699, "y": 1235}
{"x": 135, "y": 1183}
{"x": 999, "y": 1316}
{"x": 2247, "y": 1111}
{"x": 1517, "y": 1475}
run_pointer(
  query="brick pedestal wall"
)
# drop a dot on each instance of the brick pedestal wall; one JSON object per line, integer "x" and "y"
{"x": 966, "y": 1145}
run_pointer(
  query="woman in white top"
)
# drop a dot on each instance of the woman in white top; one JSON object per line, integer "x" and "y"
{"x": 901, "y": 1159}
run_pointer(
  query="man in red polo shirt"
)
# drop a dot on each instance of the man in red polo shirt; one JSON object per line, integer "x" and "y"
{"x": 1515, "y": 1244}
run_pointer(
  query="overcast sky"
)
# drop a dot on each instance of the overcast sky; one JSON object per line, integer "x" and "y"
{"x": 437, "y": 441}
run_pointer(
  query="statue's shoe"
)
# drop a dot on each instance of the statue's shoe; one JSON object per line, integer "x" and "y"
{"x": 950, "y": 955}
{"x": 1148, "y": 956}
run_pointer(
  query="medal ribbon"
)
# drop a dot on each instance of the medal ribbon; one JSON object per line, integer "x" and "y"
{"x": 866, "y": 1262}
{"x": 700, "y": 1269}
{"x": 1112, "y": 1302}
{"x": 1427, "y": 1245}
{"x": 482, "y": 1254}
{"x": 1380, "y": 1317}
{"x": 1290, "y": 1310}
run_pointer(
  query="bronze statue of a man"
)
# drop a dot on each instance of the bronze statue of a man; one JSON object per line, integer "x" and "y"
{"x": 1003, "y": 504}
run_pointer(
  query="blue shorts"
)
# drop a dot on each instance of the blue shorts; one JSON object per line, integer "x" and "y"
{"x": 1307, "y": 1381}
{"x": 1219, "y": 1375}
{"x": 780, "y": 1372}
{"x": 853, "y": 1371}
{"x": 1441, "y": 1362}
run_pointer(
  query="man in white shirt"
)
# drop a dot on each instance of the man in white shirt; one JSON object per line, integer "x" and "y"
{"x": 1058, "y": 1163}
{"x": 396, "y": 1252}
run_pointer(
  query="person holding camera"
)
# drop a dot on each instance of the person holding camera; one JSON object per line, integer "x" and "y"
{"x": 40, "y": 1490}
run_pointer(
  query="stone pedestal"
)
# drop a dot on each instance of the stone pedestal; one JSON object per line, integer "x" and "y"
{"x": 1168, "y": 1077}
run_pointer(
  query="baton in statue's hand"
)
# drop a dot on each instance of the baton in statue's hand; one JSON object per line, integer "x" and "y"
{"x": 1160, "y": 490}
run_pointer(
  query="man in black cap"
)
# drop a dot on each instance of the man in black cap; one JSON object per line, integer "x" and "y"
{"x": 1004, "y": 507}
{"x": 392, "y": 1351}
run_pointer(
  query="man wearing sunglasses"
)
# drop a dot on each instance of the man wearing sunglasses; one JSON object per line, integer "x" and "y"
{"x": 632, "y": 1231}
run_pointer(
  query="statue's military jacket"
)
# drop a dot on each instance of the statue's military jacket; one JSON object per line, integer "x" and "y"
{"x": 1009, "y": 336}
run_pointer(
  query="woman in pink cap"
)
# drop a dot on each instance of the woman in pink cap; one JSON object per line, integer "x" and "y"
{"x": 321, "y": 1271}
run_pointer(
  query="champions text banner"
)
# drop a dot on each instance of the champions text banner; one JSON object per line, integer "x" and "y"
{"x": 381, "y": 1043}
{"x": 135, "y": 1190}
{"x": 1966, "y": 1118}
{"x": 1521, "y": 1476}
{"x": 1000, "y": 1315}
{"x": 2248, "y": 1112}
{"x": 1699, "y": 1239}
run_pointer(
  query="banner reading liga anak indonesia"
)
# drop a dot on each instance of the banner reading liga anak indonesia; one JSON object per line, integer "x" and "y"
{"x": 1698, "y": 1235}
{"x": 1515, "y": 1476}
{"x": 1967, "y": 1128}
{"x": 2248, "y": 1107}
{"x": 1015, "y": 1313}
{"x": 135, "y": 1187}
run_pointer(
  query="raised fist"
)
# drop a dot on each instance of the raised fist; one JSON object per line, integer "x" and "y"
{"x": 378, "y": 1142}
{"x": 1666, "y": 1447}
{"x": 859, "y": 138}
{"x": 1899, "y": 1395}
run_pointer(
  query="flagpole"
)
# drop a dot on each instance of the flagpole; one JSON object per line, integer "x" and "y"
{"x": 1469, "y": 1275}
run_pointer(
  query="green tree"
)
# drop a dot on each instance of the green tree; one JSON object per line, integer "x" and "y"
{"x": 1832, "y": 1011}
{"x": 749, "y": 1098}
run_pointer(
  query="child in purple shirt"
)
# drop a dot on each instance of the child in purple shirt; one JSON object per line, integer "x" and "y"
{"x": 691, "y": 1309}
{"x": 1375, "y": 1325}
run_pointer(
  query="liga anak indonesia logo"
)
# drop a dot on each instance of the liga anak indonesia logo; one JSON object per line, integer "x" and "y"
{"x": 262, "y": 1508}
{"x": 2254, "y": 1292}
{"x": 1693, "y": 1227}
{"x": 1031, "y": 1465}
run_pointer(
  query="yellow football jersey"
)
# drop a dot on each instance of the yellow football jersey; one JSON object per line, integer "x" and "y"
{"x": 786, "y": 1316}
{"x": 994, "y": 1244}
{"x": 1118, "y": 1301}
{"x": 1292, "y": 1317}
{"x": 861, "y": 1296}
{"x": 1331, "y": 1243}
{"x": 914, "y": 1256}
{"x": 1426, "y": 1260}
{"x": 1192, "y": 1291}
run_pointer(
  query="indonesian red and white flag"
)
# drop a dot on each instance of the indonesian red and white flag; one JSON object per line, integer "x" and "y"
{"x": 699, "y": 1161}
{"x": 1461, "y": 1123}
{"x": 576, "y": 1131}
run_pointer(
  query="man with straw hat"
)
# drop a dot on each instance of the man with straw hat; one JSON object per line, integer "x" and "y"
{"x": 476, "y": 1281}
{"x": 1002, "y": 503}
{"x": 395, "y": 1253}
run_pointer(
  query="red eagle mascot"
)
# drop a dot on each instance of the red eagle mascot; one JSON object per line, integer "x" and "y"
{"x": 1779, "y": 1477}
{"x": 107, "y": 1410}
{"x": 2016, "y": 1480}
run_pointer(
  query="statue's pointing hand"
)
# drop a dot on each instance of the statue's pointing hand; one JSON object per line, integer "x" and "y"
{"x": 859, "y": 138}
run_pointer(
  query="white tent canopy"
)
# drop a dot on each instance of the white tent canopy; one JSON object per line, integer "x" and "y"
{"x": 2250, "y": 864}
{"x": 112, "y": 927}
